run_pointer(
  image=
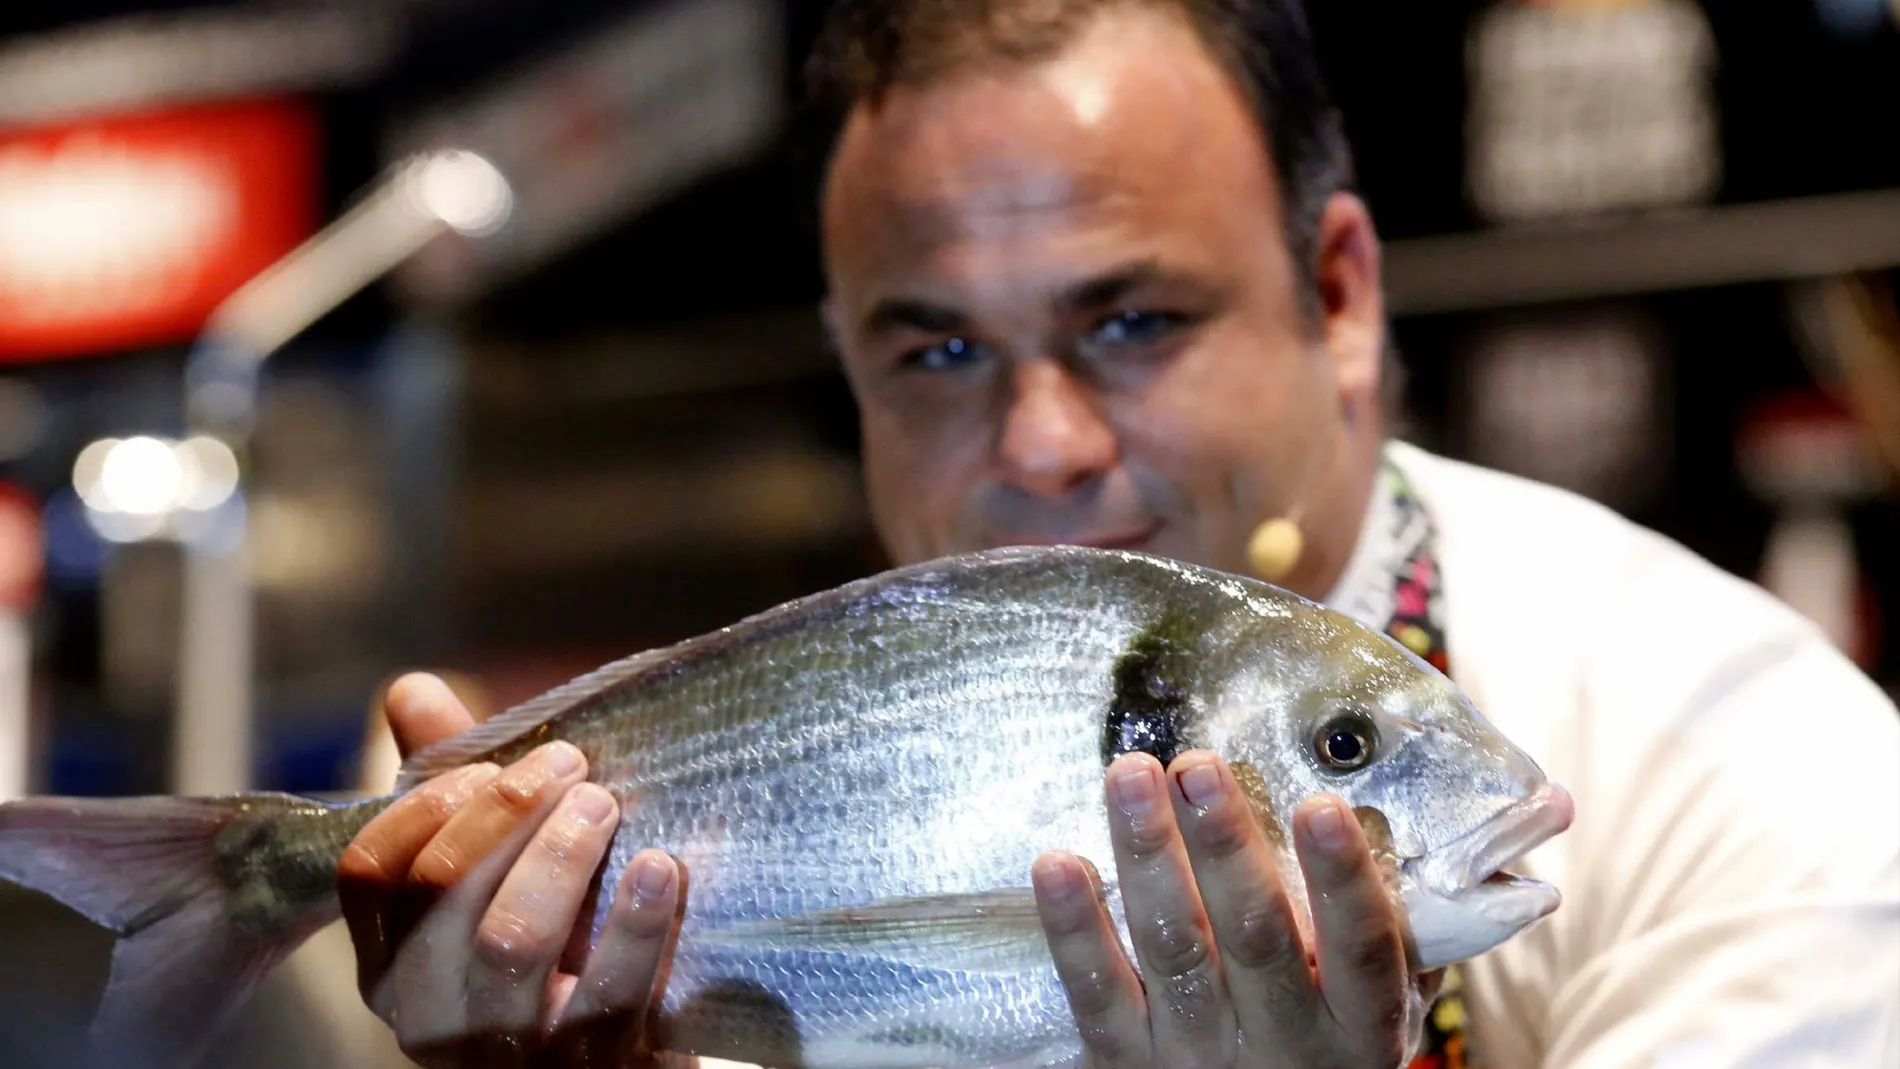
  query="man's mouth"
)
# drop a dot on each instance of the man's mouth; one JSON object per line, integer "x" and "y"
{"x": 1131, "y": 539}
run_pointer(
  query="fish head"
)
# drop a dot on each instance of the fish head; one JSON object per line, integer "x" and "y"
{"x": 1445, "y": 798}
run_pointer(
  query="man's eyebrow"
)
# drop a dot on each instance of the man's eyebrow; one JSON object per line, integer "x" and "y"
{"x": 909, "y": 313}
{"x": 1110, "y": 286}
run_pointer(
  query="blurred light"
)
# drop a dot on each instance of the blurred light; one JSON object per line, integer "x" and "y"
{"x": 212, "y": 473}
{"x": 154, "y": 477}
{"x": 89, "y": 470}
{"x": 23, "y": 419}
{"x": 466, "y": 192}
{"x": 141, "y": 477}
{"x": 125, "y": 527}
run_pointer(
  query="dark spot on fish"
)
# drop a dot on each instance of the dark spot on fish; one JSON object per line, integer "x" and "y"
{"x": 735, "y": 1020}
{"x": 268, "y": 859}
{"x": 1151, "y": 692}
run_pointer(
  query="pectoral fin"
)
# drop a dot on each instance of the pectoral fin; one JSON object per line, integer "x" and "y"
{"x": 990, "y": 931}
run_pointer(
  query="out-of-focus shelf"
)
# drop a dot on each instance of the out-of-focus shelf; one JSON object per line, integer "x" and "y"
{"x": 1650, "y": 253}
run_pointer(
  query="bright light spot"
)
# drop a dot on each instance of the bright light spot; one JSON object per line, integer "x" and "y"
{"x": 94, "y": 227}
{"x": 122, "y": 527}
{"x": 211, "y": 471}
{"x": 141, "y": 477}
{"x": 465, "y": 191}
{"x": 89, "y": 470}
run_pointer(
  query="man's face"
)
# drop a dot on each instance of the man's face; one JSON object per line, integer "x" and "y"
{"x": 1067, "y": 309}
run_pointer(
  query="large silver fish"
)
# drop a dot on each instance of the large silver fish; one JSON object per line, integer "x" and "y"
{"x": 857, "y": 784}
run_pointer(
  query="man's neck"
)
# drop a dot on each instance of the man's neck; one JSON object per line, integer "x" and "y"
{"x": 1362, "y": 581}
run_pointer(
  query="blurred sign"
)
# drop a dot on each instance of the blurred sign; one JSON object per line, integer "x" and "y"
{"x": 129, "y": 230}
{"x": 21, "y": 555}
{"x": 1572, "y": 399}
{"x": 144, "y": 60}
{"x": 1581, "y": 106}
{"x": 638, "y": 111}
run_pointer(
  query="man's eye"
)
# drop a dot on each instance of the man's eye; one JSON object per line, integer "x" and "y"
{"x": 953, "y": 354}
{"x": 1133, "y": 329}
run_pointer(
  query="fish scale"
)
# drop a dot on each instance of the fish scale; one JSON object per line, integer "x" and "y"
{"x": 857, "y": 785}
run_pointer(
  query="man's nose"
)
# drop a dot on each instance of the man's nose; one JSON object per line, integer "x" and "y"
{"x": 1054, "y": 439}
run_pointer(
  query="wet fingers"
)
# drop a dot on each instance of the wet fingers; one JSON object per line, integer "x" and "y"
{"x": 524, "y": 930}
{"x": 601, "y": 1022}
{"x": 1263, "y": 957}
{"x": 1103, "y": 991}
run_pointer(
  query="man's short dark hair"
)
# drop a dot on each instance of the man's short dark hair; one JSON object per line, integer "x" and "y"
{"x": 869, "y": 46}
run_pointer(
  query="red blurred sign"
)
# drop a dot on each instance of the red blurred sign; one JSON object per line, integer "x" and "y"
{"x": 21, "y": 554}
{"x": 129, "y": 230}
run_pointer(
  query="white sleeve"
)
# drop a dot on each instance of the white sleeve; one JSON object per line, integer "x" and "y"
{"x": 1741, "y": 903}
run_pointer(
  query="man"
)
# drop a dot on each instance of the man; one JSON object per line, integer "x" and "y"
{"x": 1097, "y": 276}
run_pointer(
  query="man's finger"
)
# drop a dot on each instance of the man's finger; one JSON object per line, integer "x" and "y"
{"x": 374, "y": 868}
{"x": 1188, "y": 1005}
{"x": 526, "y": 926}
{"x": 523, "y": 793}
{"x": 601, "y": 1022}
{"x": 1363, "y": 974}
{"x": 1104, "y": 993}
{"x": 458, "y": 873}
{"x": 1263, "y": 957}
{"x": 423, "y": 711}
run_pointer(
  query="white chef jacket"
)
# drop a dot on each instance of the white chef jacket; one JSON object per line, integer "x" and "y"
{"x": 1732, "y": 878}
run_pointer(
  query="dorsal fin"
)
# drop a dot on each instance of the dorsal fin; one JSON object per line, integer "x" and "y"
{"x": 886, "y": 590}
{"x": 512, "y": 725}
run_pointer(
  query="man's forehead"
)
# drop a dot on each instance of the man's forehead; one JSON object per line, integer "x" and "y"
{"x": 1133, "y": 99}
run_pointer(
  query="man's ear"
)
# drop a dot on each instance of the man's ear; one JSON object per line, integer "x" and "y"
{"x": 1351, "y": 299}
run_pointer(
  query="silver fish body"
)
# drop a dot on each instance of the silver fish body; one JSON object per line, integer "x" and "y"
{"x": 857, "y": 784}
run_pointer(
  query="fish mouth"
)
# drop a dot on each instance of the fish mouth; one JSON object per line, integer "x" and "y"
{"x": 1472, "y": 866}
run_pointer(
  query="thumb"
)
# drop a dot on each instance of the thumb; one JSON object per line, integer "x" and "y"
{"x": 422, "y": 711}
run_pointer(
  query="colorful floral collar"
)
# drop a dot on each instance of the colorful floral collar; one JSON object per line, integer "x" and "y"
{"x": 1392, "y": 582}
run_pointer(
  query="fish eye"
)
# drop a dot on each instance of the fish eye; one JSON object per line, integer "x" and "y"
{"x": 1346, "y": 742}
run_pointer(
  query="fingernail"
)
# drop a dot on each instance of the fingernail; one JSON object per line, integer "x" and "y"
{"x": 590, "y": 804}
{"x": 1094, "y": 877}
{"x": 653, "y": 876}
{"x": 1134, "y": 789}
{"x": 564, "y": 759}
{"x": 1058, "y": 881}
{"x": 1327, "y": 826}
{"x": 1200, "y": 785}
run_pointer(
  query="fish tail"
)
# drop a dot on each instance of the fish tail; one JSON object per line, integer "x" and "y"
{"x": 206, "y": 895}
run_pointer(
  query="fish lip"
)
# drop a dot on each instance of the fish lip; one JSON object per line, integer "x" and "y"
{"x": 1463, "y": 866}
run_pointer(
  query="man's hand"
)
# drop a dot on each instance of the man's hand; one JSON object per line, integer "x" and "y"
{"x": 1226, "y": 977}
{"x": 462, "y": 896}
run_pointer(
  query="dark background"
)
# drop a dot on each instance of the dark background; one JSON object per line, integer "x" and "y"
{"x": 568, "y": 396}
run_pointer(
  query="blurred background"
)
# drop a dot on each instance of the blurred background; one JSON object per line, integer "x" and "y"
{"x": 1645, "y": 250}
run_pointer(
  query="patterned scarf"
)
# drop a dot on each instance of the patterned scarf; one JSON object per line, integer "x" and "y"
{"x": 1395, "y": 580}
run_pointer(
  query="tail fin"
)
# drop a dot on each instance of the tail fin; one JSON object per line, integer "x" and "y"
{"x": 196, "y": 933}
